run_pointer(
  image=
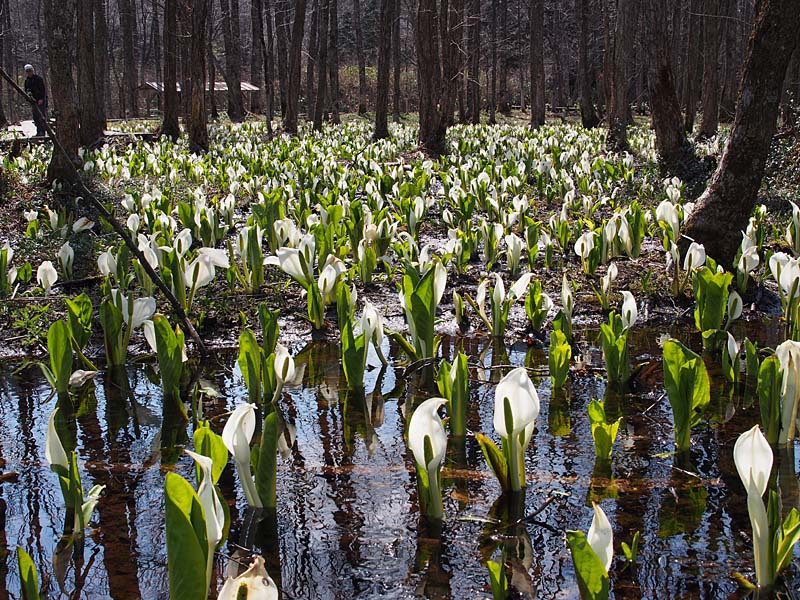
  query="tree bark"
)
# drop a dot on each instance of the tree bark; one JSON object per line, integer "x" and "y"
{"x": 170, "y": 126}
{"x": 493, "y": 44}
{"x": 89, "y": 114}
{"x": 322, "y": 63}
{"x": 211, "y": 62}
{"x": 257, "y": 55}
{"x": 709, "y": 122}
{"x": 473, "y": 25}
{"x": 293, "y": 84}
{"x": 59, "y": 18}
{"x": 233, "y": 58}
{"x": 333, "y": 59}
{"x": 536, "y": 17}
{"x": 311, "y": 60}
{"x": 723, "y": 210}
{"x": 694, "y": 64}
{"x": 127, "y": 23}
{"x": 101, "y": 78}
{"x": 362, "y": 63}
{"x": 197, "y": 122}
{"x": 619, "y": 109}
{"x": 664, "y": 106}
{"x": 268, "y": 49}
{"x": 730, "y": 68}
{"x": 384, "y": 58}
{"x": 396, "y": 63}
{"x": 282, "y": 12}
{"x": 589, "y": 116}
{"x": 503, "y": 99}
{"x": 438, "y": 75}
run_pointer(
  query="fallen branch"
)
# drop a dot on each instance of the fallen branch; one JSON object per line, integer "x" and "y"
{"x": 118, "y": 228}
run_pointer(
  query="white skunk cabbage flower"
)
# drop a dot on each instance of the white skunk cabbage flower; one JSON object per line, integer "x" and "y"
{"x": 254, "y": 584}
{"x": 695, "y": 257}
{"x": 523, "y": 400}
{"x": 426, "y": 423}
{"x": 53, "y": 448}
{"x": 630, "y": 313}
{"x": 284, "y": 364}
{"x": 46, "y": 275}
{"x": 601, "y": 537}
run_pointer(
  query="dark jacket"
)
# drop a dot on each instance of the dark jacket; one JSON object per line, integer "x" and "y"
{"x": 34, "y": 86}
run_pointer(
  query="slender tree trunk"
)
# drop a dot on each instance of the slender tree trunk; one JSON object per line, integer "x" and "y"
{"x": 619, "y": 109}
{"x": 127, "y": 22}
{"x": 536, "y": 17}
{"x": 589, "y": 116}
{"x": 268, "y": 48}
{"x": 59, "y": 18}
{"x": 730, "y": 70}
{"x": 322, "y": 63}
{"x": 185, "y": 8}
{"x": 666, "y": 111}
{"x": 311, "y": 60}
{"x": 91, "y": 127}
{"x": 504, "y": 103}
{"x": 233, "y": 58}
{"x": 293, "y": 87}
{"x": 282, "y": 12}
{"x": 473, "y": 24}
{"x": 396, "y": 62}
{"x": 257, "y": 55}
{"x": 493, "y": 76}
{"x": 694, "y": 64}
{"x": 211, "y": 61}
{"x": 710, "y": 118}
{"x": 333, "y": 59}
{"x": 197, "y": 123}
{"x": 362, "y": 63}
{"x": 170, "y": 126}
{"x": 157, "y": 48}
{"x": 384, "y": 58}
{"x": 3, "y": 117}
{"x": 608, "y": 58}
{"x": 101, "y": 78}
{"x": 723, "y": 210}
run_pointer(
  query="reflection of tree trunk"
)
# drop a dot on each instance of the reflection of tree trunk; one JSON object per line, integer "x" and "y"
{"x": 384, "y": 58}
{"x": 536, "y": 15}
{"x": 694, "y": 64}
{"x": 293, "y": 83}
{"x": 711, "y": 34}
{"x": 724, "y": 208}
{"x": 169, "y": 125}
{"x": 362, "y": 64}
{"x": 589, "y": 116}
{"x": 197, "y": 124}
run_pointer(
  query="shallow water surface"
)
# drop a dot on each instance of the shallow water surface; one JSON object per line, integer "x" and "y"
{"x": 348, "y": 524}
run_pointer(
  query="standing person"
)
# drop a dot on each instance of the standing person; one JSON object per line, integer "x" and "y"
{"x": 34, "y": 87}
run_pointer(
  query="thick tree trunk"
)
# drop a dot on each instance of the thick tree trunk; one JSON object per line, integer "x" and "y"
{"x": 157, "y": 55}
{"x": 257, "y": 55}
{"x": 170, "y": 126}
{"x": 619, "y": 109}
{"x": 536, "y": 17}
{"x": 322, "y": 63}
{"x": 91, "y": 125}
{"x": 268, "y": 49}
{"x": 711, "y": 34}
{"x": 723, "y": 210}
{"x": 730, "y": 69}
{"x": 282, "y": 13}
{"x": 197, "y": 123}
{"x": 589, "y": 116}
{"x": 211, "y": 61}
{"x": 664, "y": 106}
{"x": 293, "y": 86}
{"x": 384, "y": 62}
{"x": 694, "y": 64}
{"x": 333, "y": 60}
{"x": 127, "y": 23}
{"x": 3, "y": 117}
{"x": 396, "y": 63}
{"x": 608, "y": 59}
{"x": 233, "y": 58}
{"x": 473, "y": 24}
{"x": 101, "y": 77}
{"x": 59, "y": 18}
{"x": 311, "y": 60}
{"x": 185, "y": 8}
{"x": 362, "y": 63}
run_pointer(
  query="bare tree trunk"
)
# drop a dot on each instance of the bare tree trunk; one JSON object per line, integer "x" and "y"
{"x": 311, "y": 60}
{"x": 233, "y": 58}
{"x": 257, "y": 55}
{"x": 333, "y": 59}
{"x": 101, "y": 77}
{"x": 536, "y": 17}
{"x": 694, "y": 64}
{"x": 384, "y": 62}
{"x": 293, "y": 84}
{"x": 438, "y": 75}
{"x": 396, "y": 62}
{"x": 268, "y": 49}
{"x": 473, "y": 24}
{"x": 504, "y": 103}
{"x": 589, "y": 116}
{"x": 3, "y": 117}
{"x": 211, "y": 61}
{"x": 730, "y": 69}
{"x": 170, "y": 126}
{"x": 619, "y": 109}
{"x": 59, "y": 18}
{"x": 493, "y": 80}
{"x": 322, "y": 63}
{"x": 608, "y": 59}
{"x": 127, "y": 23}
{"x": 710, "y": 119}
{"x": 91, "y": 127}
{"x": 723, "y": 210}
{"x": 282, "y": 13}
{"x": 157, "y": 48}
{"x": 362, "y": 63}
{"x": 185, "y": 8}
{"x": 197, "y": 124}
{"x": 666, "y": 111}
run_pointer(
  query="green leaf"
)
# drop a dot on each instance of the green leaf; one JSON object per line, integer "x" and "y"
{"x": 187, "y": 543}
{"x": 169, "y": 347}
{"x": 592, "y": 576}
{"x": 495, "y": 459}
{"x": 688, "y": 388}
{"x": 29, "y": 578}
{"x": 111, "y": 321}
{"x": 559, "y": 357}
{"x": 267, "y": 469}
{"x": 208, "y": 443}
{"x": 770, "y": 381}
{"x": 788, "y": 536}
{"x": 711, "y": 298}
{"x": 250, "y": 358}
{"x": 79, "y": 319}
{"x": 60, "y": 351}
{"x": 497, "y": 578}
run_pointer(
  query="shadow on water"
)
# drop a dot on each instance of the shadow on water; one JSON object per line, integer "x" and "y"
{"x": 347, "y": 523}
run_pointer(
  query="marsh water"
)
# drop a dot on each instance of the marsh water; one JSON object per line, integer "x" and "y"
{"x": 348, "y": 523}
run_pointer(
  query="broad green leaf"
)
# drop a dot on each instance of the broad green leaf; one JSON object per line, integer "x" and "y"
{"x": 208, "y": 443}
{"x": 60, "y": 351}
{"x": 250, "y": 357}
{"x": 187, "y": 543}
{"x": 592, "y": 576}
{"x": 29, "y": 578}
{"x": 496, "y": 460}
{"x": 267, "y": 468}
